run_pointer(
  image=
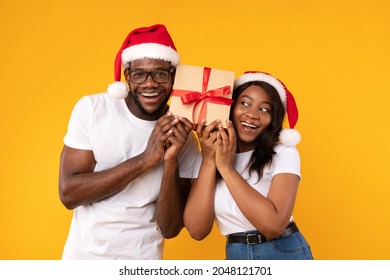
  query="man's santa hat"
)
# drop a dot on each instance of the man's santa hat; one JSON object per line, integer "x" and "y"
{"x": 146, "y": 42}
{"x": 288, "y": 136}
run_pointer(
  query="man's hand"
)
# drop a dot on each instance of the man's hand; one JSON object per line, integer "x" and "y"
{"x": 158, "y": 138}
{"x": 177, "y": 136}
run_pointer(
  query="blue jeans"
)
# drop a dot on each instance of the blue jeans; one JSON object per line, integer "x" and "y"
{"x": 292, "y": 247}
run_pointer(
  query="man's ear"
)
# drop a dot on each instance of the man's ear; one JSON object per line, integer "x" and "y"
{"x": 126, "y": 74}
{"x": 173, "y": 73}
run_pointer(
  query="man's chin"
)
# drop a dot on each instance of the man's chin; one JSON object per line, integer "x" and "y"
{"x": 152, "y": 111}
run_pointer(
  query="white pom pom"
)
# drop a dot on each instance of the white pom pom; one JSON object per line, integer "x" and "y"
{"x": 117, "y": 90}
{"x": 289, "y": 137}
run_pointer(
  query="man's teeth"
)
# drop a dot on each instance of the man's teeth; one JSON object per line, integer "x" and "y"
{"x": 248, "y": 125}
{"x": 149, "y": 94}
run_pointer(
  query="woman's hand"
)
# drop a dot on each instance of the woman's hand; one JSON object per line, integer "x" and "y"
{"x": 226, "y": 148}
{"x": 207, "y": 137}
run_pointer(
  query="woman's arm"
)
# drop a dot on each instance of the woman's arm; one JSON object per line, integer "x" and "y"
{"x": 199, "y": 210}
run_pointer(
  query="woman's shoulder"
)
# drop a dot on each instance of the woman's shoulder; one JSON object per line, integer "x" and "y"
{"x": 286, "y": 160}
{"x": 282, "y": 149}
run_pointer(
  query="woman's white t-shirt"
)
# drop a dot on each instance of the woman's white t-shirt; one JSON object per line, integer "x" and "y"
{"x": 229, "y": 217}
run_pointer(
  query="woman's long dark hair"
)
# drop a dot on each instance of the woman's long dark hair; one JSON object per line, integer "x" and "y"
{"x": 267, "y": 140}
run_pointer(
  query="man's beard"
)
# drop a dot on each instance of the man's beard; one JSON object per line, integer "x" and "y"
{"x": 156, "y": 113}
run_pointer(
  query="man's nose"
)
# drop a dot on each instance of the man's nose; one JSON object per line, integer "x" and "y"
{"x": 149, "y": 80}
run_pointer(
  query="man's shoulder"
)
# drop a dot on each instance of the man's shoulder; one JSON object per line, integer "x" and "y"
{"x": 99, "y": 99}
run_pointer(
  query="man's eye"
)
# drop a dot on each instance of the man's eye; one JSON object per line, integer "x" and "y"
{"x": 161, "y": 74}
{"x": 138, "y": 74}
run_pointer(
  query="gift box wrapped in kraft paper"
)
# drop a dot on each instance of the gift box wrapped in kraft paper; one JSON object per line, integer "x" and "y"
{"x": 202, "y": 93}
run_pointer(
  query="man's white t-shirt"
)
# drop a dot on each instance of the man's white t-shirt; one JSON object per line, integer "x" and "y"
{"x": 122, "y": 226}
{"x": 229, "y": 217}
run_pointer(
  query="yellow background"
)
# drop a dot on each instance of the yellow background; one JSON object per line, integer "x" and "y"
{"x": 333, "y": 55}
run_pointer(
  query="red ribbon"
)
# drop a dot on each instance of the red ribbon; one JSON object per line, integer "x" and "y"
{"x": 212, "y": 96}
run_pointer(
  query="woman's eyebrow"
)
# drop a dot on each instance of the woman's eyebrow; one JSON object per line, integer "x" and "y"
{"x": 246, "y": 96}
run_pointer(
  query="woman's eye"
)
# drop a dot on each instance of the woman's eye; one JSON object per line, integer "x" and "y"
{"x": 264, "y": 110}
{"x": 245, "y": 104}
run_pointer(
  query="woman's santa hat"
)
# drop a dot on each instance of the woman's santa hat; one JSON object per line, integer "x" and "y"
{"x": 288, "y": 136}
{"x": 146, "y": 42}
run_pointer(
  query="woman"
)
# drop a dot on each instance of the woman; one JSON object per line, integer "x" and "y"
{"x": 249, "y": 175}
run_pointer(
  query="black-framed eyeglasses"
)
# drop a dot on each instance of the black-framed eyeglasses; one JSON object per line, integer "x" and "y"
{"x": 159, "y": 76}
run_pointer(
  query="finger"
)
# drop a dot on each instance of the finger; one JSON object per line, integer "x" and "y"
{"x": 211, "y": 126}
{"x": 200, "y": 127}
{"x": 223, "y": 135}
{"x": 164, "y": 123}
{"x": 180, "y": 128}
{"x": 174, "y": 140}
{"x": 212, "y": 137}
{"x": 223, "y": 138}
{"x": 231, "y": 131}
{"x": 219, "y": 141}
{"x": 177, "y": 134}
{"x": 166, "y": 135}
{"x": 170, "y": 123}
{"x": 188, "y": 125}
{"x": 168, "y": 117}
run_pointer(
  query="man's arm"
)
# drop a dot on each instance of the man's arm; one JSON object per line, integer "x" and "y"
{"x": 171, "y": 203}
{"x": 174, "y": 190}
{"x": 80, "y": 185}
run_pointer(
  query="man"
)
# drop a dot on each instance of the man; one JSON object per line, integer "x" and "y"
{"x": 127, "y": 163}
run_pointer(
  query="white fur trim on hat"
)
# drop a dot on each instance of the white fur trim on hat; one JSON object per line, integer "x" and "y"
{"x": 150, "y": 50}
{"x": 289, "y": 137}
{"x": 251, "y": 77}
{"x": 117, "y": 90}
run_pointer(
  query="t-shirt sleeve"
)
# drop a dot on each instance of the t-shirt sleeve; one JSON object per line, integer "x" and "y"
{"x": 287, "y": 160}
{"x": 77, "y": 136}
{"x": 187, "y": 157}
{"x": 197, "y": 164}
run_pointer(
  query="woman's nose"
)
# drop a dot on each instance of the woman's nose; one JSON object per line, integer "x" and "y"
{"x": 252, "y": 115}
